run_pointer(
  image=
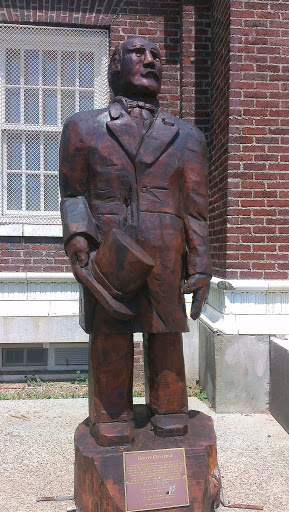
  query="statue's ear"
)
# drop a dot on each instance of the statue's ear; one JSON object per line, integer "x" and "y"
{"x": 114, "y": 71}
{"x": 114, "y": 65}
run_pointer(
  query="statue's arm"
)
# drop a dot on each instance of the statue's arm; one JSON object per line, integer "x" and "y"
{"x": 195, "y": 214}
{"x": 79, "y": 229}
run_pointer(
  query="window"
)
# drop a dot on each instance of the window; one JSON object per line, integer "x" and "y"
{"x": 71, "y": 356}
{"x": 47, "y": 74}
{"x": 24, "y": 356}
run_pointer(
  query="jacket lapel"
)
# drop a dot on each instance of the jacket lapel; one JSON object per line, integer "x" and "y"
{"x": 154, "y": 142}
{"x": 124, "y": 129}
{"x": 157, "y": 138}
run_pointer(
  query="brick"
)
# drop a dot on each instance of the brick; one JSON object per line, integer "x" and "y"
{"x": 276, "y": 275}
{"x": 254, "y": 239}
{"x": 264, "y": 248}
{"x": 249, "y": 274}
{"x": 276, "y": 257}
{"x": 282, "y": 266}
{"x": 263, "y": 266}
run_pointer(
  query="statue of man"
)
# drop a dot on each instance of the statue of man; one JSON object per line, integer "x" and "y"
{"x": 143, "y": 171}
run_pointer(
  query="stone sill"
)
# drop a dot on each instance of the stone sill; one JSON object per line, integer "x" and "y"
{"x": 40, "y": 277}
{"x": 49, "y": 230}
{"x": 39, "y": 308}
{"x": 248, "y": 306}
{"x": 37, "y": 294}
{"x": 250, "y": 284}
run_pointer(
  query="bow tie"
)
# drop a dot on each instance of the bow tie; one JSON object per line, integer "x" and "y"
{"x": 141, "y": 104}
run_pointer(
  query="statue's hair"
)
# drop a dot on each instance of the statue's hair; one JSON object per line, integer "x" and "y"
{"x": 114, "y": 71}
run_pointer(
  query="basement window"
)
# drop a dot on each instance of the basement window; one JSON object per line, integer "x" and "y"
{"x": 24, "y": 356}
{"x": 71, "y": 356}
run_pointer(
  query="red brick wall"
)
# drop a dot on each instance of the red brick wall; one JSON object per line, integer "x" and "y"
{"x": 258, "y": 195}
{"x": 249, "y": 139}
{"x": 240, "y": 99}
{"x": 219, "y": 136}
{"x": 187, "y": 68}
{"x": 195, "y": 63}
{"x": 31, "y": 254}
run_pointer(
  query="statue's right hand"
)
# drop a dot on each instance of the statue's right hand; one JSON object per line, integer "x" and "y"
{"x": 78, "y": 252}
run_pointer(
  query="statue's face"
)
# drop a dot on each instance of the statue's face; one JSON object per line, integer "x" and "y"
{"x": 140, "y": 68}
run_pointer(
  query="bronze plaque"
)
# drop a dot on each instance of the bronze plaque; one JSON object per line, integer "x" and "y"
{"x": 155, "y": 479}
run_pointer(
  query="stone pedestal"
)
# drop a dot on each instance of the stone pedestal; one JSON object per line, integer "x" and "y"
{"x": 279, "y": 383}
{"x": 99, "y": 476}
{"x": 234, "y": 371}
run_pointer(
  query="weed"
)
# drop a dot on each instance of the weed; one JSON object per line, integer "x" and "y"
{"x": 137, "y": 393}
{"x": 33, "y": 380}
{"x": 81, "y": 378}
{"x": 48, "y": 390}
{"x": 198, "y": 392}
{"x": 35, "y": 388}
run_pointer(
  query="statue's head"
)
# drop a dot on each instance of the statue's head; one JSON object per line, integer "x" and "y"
{"x": 135, "y": 69}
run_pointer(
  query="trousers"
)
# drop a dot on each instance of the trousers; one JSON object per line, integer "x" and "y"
{"x": 111, "y": 376}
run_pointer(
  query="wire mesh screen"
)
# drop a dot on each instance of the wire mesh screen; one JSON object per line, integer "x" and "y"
{"x": 47, "y": 74}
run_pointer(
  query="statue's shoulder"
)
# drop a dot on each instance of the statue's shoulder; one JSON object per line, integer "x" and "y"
{"x": 85, "y": 119}
{"x": 187, "y": 130}
{"x": 190, "y": 130}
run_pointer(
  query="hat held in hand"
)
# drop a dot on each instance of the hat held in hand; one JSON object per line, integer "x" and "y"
{"x": 116, "y": 272}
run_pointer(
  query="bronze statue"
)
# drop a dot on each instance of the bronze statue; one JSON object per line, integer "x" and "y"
{"x": 133, "y": 182}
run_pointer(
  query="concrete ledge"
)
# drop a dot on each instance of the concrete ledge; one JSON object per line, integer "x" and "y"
{"x": 50, "y": 230}
{"x": 279, "y": 384}
{"x": 36, "y": 294}
{"x": 41, "y": 277}
{"x": 248, "y": 306}
{"x": 234, "y": 370}
{"x": 53, "y": 329}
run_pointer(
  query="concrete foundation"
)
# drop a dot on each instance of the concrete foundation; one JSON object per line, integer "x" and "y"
{"x": 234, "y": 370}
{"x": 41, "y": 329}
{"x": 191, "y": 352}
{"x": 279, "y": 383}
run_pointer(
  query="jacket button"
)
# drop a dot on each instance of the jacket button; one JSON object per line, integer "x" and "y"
{"x": 144, "y": 190}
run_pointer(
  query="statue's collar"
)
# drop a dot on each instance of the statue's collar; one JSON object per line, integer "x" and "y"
{"x": 155, "y": 141}
{"x": 152, "y": 105}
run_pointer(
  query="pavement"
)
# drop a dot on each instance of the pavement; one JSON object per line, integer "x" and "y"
{"x": 37, "y": 455}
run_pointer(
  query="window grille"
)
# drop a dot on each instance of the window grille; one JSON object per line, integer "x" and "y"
{"x": 24, "y": 356}
{"x": 46, "y": 74}
{"x": 71, "y": 356}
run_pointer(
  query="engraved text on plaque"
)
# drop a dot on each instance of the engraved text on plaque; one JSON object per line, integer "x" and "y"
{"x": 155, "y": 479}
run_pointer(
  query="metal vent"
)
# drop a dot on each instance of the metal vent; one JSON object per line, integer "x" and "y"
{"x": 71, "y": 356}
{"x": 46, "y": 75}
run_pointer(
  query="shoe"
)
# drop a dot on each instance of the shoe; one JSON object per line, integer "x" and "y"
{"x": 115, "y": 433}
{"x": 170, "y": 425}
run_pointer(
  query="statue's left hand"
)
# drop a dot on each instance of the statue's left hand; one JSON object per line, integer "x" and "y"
{"x": 78, "y": 252}
{"x": 199, "y": 285}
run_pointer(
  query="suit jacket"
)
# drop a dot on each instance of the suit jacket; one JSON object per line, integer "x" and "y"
{"x": 154, "y": 188}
